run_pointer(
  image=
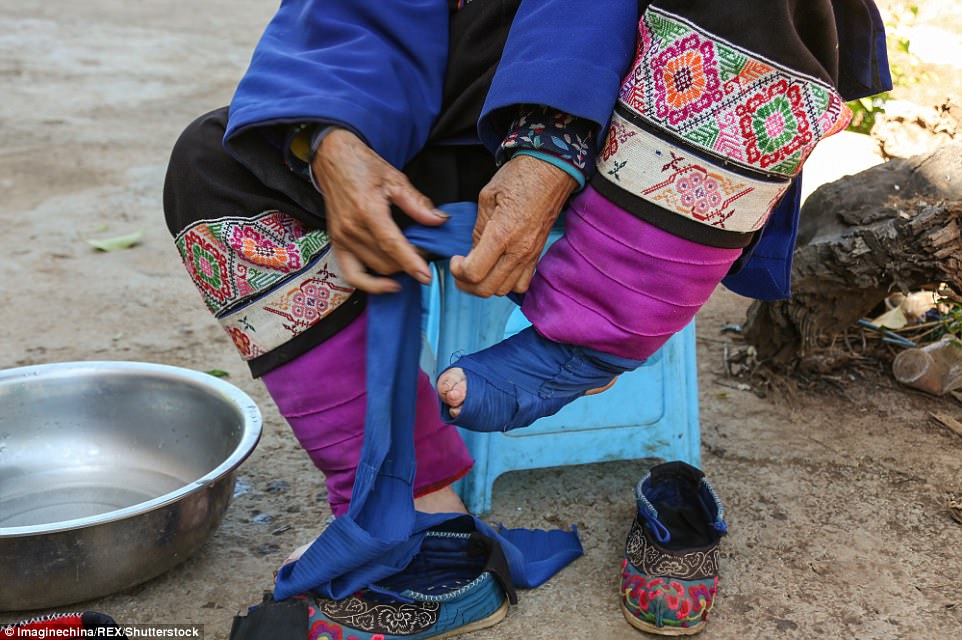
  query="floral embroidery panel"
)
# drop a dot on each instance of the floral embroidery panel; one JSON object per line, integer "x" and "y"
{"x": 550, "y": 131}
{"x": 726, "y": 100}
{"x": 267, "y": 279}
{"x": 233, "y": 259}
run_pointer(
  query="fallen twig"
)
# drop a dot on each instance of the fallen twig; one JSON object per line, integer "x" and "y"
{"x": 740, "y": 386}
{"x": 948, "y": 422}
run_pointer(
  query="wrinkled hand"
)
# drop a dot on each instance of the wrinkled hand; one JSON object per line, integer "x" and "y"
{"x": 515, "y": 213}
{"x": 359, "y": 188}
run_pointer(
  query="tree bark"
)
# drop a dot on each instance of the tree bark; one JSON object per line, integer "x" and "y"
{"x": 892, "y": 227}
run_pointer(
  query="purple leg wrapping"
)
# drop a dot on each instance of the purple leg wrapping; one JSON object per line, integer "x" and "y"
{"x": 618, "y": 284}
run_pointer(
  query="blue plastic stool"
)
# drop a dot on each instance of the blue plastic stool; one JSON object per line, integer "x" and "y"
{"x": 650, "y": 412}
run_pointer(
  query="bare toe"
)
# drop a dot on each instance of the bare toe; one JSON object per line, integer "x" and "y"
{"x": 452, "y": 387}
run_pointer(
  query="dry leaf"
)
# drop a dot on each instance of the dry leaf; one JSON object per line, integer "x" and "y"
{"x": 117, "y": 242}
{"x": 892, "y": 319}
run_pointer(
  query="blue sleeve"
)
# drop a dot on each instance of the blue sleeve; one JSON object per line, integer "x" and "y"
{"x": 374, "y": 67}
{"x": 764, "y": 270}
{"x": 568, "y": 54}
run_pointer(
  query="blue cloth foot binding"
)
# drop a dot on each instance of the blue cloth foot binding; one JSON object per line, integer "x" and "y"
{"x": 526, "y": 377}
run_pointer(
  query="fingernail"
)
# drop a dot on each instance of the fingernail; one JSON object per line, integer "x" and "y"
{"x": 441, "y": 214}
{"x": 424, "y": 277}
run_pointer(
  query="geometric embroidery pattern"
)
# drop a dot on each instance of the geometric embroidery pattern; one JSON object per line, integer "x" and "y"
{"x": 234, "y": 259}
{"x": 288, "y": 310}
{"x": 674, "y": 179}
{"x": 267, "y": 279}
{"x": 728, "y": 101}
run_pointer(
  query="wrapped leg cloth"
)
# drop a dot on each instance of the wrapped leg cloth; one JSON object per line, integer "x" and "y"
{"x": 266, "y": 270}
{"x": 713, "y": 124}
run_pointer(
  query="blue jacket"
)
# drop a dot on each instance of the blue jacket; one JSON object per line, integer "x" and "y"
{"x": 377, "y": 68}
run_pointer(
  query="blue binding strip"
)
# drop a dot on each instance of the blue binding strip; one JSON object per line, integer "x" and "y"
{"x": 381, "y": 532}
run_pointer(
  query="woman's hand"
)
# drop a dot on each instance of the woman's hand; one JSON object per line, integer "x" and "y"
{"x": 516, "y": 211}
{"x": 359, "y": 188}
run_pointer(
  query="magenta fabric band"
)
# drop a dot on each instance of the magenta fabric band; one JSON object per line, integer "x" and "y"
{"x": 321, "y": 394}
{"x": 617, "y": 284}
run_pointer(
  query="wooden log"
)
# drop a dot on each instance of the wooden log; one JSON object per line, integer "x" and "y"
{"x": 892, "y": 227}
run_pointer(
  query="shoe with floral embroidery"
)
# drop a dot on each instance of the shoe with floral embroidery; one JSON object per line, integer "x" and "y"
{"x": 669, "y": 577}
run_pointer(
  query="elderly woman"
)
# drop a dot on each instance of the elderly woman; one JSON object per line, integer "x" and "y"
{"x": 339, "y": 98}
{"x": 355, "y": 119}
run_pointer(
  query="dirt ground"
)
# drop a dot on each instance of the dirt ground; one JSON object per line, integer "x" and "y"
{"x": 835, "y": 499}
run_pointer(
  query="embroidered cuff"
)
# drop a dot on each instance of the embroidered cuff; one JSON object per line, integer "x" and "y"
{"x": 544, "y": 133}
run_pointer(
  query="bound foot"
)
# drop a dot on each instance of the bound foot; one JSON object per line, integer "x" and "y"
{"x": 521, "y": 379}
{"x": 453, "y": 386}
{"x": 441, "y": 501}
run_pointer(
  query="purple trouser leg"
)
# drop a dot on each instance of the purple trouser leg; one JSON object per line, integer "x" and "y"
{"x": 618, "y": 284}
{"x": 322, "y": 395}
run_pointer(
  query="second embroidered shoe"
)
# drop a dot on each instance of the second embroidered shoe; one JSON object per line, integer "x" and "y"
{"x": 669, "y": 577}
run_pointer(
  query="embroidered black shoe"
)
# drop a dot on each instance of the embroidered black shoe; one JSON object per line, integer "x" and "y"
{"x": 669, "y": 578}
{"x": 477, "y": 605}
{"x": 457, "y": 584}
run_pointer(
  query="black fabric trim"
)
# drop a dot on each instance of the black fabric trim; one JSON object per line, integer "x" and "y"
{"x": 497, "y": 563}
{"x": 96, "y": 620}
{"x": 667, "y": 221}
{"x": 479, "y": 544}
{"x": 674, "y": 139}
{"x": 205, "y": 182}
{"x": 477, "y": 35}
{"x": 252, "y": 149}
{"x": 676, "y": 470}
{"x": 284, "y": 620}
{"x": 346, "y": 313}
{"x": 798, "y": 34}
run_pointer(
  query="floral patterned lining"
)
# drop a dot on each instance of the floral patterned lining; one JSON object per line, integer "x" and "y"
{"x": 550, "y": 131}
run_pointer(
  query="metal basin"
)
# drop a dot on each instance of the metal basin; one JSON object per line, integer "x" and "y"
{"x": 110, "y": 474}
